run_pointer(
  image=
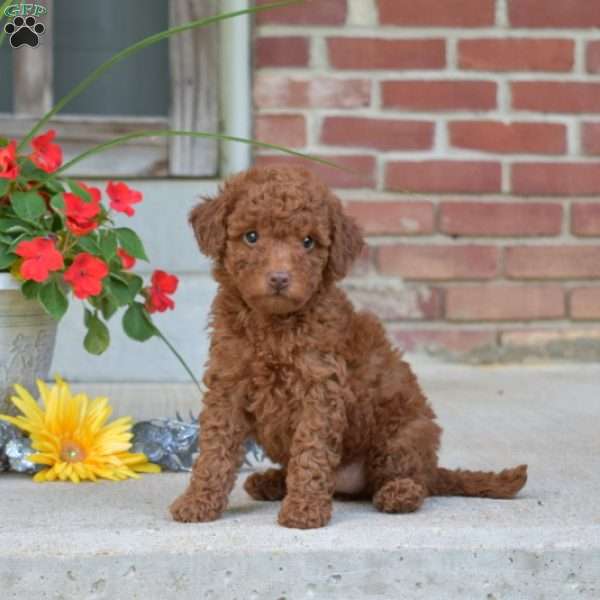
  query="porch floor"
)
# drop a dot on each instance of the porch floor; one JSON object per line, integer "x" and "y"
{"x": 116, "y": 540}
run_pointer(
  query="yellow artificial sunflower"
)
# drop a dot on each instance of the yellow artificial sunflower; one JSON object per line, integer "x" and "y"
{"x": 70, "y": 434}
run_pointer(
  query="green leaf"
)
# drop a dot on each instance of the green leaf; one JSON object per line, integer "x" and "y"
{"x": 16, "y": 241}
{"x": 28, "y": 205}
{"x": 108, "y": 306}
{"x": 30, "y": 289}
{"x": 53, "y": 299}
{"x": 98, "y": 338}
{"x": 13, "y": 226}
{"x": 4, "y": 141}
{"x": 78, "y": 190}
{"x": 57, "y": 202}
{"x": 89, "y": 244}
{"x": 118, "y": 290}
{"x": 130, "y": 242}
{"x": 135, "y": 283}
{"x": 137, "y": 323}
{"x": 54, "y": 186}
{"x": 4, "y": 185}
{"x": 108, "y": 244}
{"x": 29, "y": 172}
{"x": 7, "y": 258}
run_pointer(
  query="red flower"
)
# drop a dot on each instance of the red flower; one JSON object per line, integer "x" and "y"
{"x": 127, "y": 260}
{"x": 9, "y": 169}
{"x": 40, "y": 257}
{"x": 95, "y": 193}
{"x": 157, "y": 298}
{"x": 86, "y": 274}
{"x": 122, "y": 197}
{"x": 46, "y": 155}
{"x": 81, "y": 215}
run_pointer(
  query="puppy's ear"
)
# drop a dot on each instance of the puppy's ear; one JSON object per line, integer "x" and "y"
{"x": 346, "y": 243}
{"x": 208, "y": 221}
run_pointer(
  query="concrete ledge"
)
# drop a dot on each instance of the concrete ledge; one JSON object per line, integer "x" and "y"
{"x": 116, "y": 540}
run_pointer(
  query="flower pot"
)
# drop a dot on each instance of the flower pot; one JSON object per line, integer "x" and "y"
{"x": 27, "y": 336}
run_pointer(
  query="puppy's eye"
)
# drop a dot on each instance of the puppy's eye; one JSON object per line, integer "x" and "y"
{"x": 308, "y": 242}
{"x": 251, "y": 237}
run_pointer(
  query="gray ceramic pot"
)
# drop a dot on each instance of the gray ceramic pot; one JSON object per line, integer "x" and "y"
{"x": 27, "y": 336}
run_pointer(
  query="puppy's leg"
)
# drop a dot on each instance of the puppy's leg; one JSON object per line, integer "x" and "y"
{"x": 315, "y": 454}
{"x": 269, "y": 485}
{"x": 223, "y": 429}
{"x": 397, "y": 470}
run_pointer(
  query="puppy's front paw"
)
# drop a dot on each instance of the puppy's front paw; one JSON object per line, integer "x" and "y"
{"x": 189, "y": 508}
{"x": 302, "y": 512}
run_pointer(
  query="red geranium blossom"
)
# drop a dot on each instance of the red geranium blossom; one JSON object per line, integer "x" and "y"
{"x": 9, "y": 169}
{"x": 86, "y": 274}
{"x": 81, "y": 215}
{"x": 127, "y": 260}
{"x": 122, "y": 197}
{"x": 162, "y": 284}
{"x": 40, "y": 257}
{"x": 46, "y": 155}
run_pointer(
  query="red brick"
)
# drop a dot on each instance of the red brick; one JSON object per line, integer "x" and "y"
{"x": 439, "y": 95}
{"x": 376, "y": 53}
{"x": 441, "y": 341}
{"x": 554, "y": 13}
{"x": 552, "y": 262}
{"x": 382, "y": 134}
{"x": 360, "y": 173}
{"x": 393, "y": 218}
{"x": 585, "y": 303}
{"x": 585, "y": 219}
{"x": 438, "y": 262}
{"x": 514, "y": 54}
{"x": 591, "y": 138}
{"x": 437, "y": 13}
{"x": 556, "y": 179}
{"x": 556, "y": 96}
{"x": 284, "y": 130}
{"x": 500, "y": 218}
{"x": 310, "y": 12}
{"x": 504, "y": 303}
{"x": 592, "y": 57}
{"x": 392, "y": 302}
{"x": 279, "y": 91}
{"x": 443, "y": 176}
{"x": 510, "y": 138}
{"x": 288, "y": 51}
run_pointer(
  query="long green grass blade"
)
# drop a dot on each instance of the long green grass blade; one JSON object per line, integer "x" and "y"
{"x": 3, "y": 7}
{"x": 199, "y": 134}
{"x": 144, "y": 43}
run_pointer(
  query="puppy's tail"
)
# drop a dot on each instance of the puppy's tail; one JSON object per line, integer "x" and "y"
{"x": 479, "y": 483}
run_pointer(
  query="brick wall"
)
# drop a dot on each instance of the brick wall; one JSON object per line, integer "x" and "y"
{"x": 472, "y": 128}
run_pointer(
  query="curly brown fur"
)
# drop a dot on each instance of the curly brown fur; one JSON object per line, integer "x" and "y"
{"x": 293, "y": 365}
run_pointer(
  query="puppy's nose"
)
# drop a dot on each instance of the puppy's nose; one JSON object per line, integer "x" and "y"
{"x": 278, "y": 280}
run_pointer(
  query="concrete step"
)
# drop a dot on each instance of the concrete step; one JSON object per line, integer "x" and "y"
{"x": 116, "y": 541}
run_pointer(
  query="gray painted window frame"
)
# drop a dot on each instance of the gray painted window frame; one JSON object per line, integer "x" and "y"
{"x": 194, "y": 62}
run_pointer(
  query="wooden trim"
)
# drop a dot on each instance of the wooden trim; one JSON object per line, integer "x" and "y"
{"x": 194, "y": 89}
{"x": 146, "y": 157}
{"x": 32, "y": 73}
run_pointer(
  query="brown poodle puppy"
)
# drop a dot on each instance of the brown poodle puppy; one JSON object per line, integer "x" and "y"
{"x": 293, "y": 365}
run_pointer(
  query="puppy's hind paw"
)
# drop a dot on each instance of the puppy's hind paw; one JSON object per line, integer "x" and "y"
{"x": 269, "y": 485}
